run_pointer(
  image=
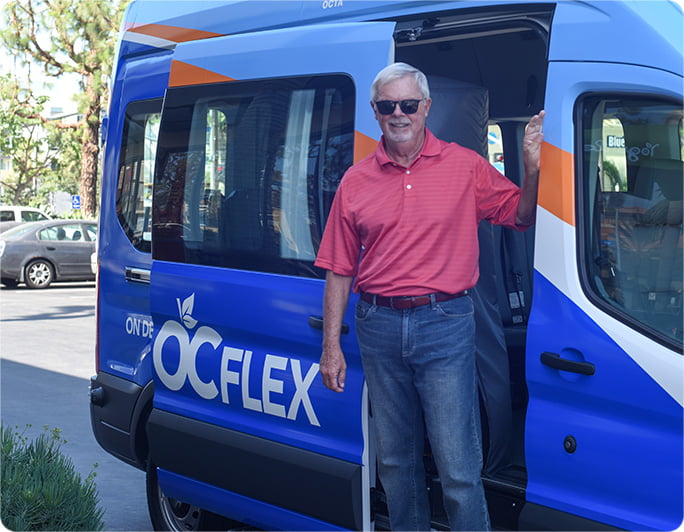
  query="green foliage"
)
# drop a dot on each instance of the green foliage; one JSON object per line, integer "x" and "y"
{"x": 613, "y": 174}
{"x": 68, "y": 37}
{"x": 41, "y": 489}
{"x": 44, "y": 156}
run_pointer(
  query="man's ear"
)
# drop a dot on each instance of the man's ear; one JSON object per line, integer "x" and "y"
{"x": 428, "y": 104}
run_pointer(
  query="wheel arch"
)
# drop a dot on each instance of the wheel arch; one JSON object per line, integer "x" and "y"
{"x": 27, "y": 262}
{"x": 141, "y": 413}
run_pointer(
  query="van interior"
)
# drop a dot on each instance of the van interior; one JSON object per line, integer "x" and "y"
{"x": 487, "y": 75}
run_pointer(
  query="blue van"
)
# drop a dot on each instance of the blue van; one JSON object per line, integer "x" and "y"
{"x": 230, "y": 126}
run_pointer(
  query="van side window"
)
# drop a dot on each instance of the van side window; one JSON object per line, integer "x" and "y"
{"x": 136, "y": 171}
{"x": 247, "y": 171}
{"x": 632, "y": 181}
{"x": 495, "y": 151}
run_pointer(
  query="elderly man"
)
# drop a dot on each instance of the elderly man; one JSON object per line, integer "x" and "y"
{"x": 404, "y": 225}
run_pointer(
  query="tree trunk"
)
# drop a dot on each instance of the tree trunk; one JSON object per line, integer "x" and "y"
{"x": 90, "y": 152}
{"x": 89, "y": 167}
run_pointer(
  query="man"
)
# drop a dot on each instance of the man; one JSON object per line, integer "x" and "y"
{"x": 404, "y": 225}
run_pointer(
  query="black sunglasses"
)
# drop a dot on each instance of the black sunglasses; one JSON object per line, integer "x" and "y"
{"x": 386, "y": 107}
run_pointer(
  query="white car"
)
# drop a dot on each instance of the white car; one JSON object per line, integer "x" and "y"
{"x": 11, "y": 215}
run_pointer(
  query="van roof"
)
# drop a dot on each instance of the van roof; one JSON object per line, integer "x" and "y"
{"x": 608, "y": 28}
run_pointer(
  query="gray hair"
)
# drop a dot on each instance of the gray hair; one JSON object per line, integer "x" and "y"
{"x": 396, "y": 71}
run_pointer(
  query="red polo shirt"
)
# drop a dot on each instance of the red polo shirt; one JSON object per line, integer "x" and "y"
{"x": 413, "y": 231}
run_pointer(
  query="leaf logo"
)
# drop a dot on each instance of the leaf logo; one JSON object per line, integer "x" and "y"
{"x": 185, "y": 311}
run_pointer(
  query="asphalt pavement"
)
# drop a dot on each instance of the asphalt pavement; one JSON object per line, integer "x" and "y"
{"x": 47, "y": 346}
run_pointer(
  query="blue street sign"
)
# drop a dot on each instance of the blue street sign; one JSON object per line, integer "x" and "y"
{"x": 75, "y": 201}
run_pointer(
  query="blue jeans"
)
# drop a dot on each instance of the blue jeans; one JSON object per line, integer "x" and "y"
{"x": 420, "y": 369}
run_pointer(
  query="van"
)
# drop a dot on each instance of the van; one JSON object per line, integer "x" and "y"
{"x": 230, "y": 127}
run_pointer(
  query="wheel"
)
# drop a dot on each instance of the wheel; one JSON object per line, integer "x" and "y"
{"x": 39, "y": 274}
{"x": 169, "y": 514}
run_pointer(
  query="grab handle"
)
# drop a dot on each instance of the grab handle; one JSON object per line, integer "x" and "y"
{"x": 317, "y": 323}
{"x": 555, "y": 361}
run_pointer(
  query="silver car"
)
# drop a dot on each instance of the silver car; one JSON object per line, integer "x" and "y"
{"x": 38, "y": 253}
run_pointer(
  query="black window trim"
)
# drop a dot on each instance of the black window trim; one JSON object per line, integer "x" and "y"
{"x": 581, "y": 211}
{"x": 139, "y": 244}
{"x": 289, "y": 267}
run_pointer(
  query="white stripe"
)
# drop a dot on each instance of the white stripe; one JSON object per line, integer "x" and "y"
{"x": 555, "y": 258}
{"x": 149, "y": 40}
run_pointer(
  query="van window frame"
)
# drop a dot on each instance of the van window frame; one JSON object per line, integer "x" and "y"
{"x": 171, "y": 242}
{"x": 149, "y": 108}
{"x": 582, "y": 208}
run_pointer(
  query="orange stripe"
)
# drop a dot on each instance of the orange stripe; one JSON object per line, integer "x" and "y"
{"x": 173, "y": 33}
{"x": 363, "y": 146}
{"x": 556, "y": 183}
{"x": 186, "y": 74}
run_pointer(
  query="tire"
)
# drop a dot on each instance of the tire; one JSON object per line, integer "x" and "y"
{"x": 39, "y": 274}
{"x": 170, "y": 514}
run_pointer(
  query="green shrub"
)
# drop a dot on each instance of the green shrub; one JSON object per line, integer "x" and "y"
{"x": 40, "y": 488}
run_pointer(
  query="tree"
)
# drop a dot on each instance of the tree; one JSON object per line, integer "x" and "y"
{"x": 71, "y": 36}
{"x": 41, "y": 151}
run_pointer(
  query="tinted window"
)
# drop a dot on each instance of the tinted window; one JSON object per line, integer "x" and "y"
{"x": 32, "y": 216}
{"x": 632, "y": 186}
{"x": 246, "y": 171}
{"x": 67, "y": 233}
{"x": 6, "y": 216}
{"x": 91, "y": 231}
{"x": 136, "y": 171}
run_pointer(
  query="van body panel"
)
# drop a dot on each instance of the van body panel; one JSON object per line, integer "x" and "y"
{"x": 125, "y": 327}
{"x": 125, "y": 322}
{"x": 288, "y": 52}
{"x": 617, "y": 451}
{"x": 328, "y": 489}
{"x": 238, "y": 350}
{"x": 606, "y": 37}
{"x": 626, "y": 469}
{"x": 567, "y": 82}
{"x": 185, "y": 20}
{"x": 244, "y": 509}
{"x": 251, "y": 347}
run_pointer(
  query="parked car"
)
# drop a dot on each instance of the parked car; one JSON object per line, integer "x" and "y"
{"x": 11, "y": 216}
{"x": 39, "y": 253}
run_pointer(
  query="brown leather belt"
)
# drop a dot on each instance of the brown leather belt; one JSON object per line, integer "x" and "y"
{"x": 404, "y": 302}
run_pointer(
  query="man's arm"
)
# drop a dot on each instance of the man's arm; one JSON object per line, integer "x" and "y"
{"x": 527, "y": 208}
{"x": 333, "y": 366}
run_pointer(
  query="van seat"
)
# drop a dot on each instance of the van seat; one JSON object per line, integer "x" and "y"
{"x": 641, "y": 239}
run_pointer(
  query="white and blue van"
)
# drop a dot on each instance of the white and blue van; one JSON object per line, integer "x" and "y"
{"x": 230, "y": 126}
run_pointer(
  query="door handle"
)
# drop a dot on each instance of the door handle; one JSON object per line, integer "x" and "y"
{"x": 317, "y": 323}
{"x": 137, "y": 275}
{"x": 555, "y": 361}
{"x": 51, "y": 248}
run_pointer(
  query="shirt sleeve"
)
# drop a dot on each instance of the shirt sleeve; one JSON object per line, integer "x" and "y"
{"x": 340, "y": 246}
{"x": 497, "y": 197}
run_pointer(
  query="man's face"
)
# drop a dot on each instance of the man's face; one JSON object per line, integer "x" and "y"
{"x": 399, "y": 127}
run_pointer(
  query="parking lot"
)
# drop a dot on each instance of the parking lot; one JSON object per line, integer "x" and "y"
{"x": 47, "y": 357}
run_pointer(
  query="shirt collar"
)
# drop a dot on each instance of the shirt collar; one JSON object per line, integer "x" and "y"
{"x": 431, "y": 148}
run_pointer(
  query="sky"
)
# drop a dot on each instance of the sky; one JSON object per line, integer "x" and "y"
{"x": 60, "y": 90}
